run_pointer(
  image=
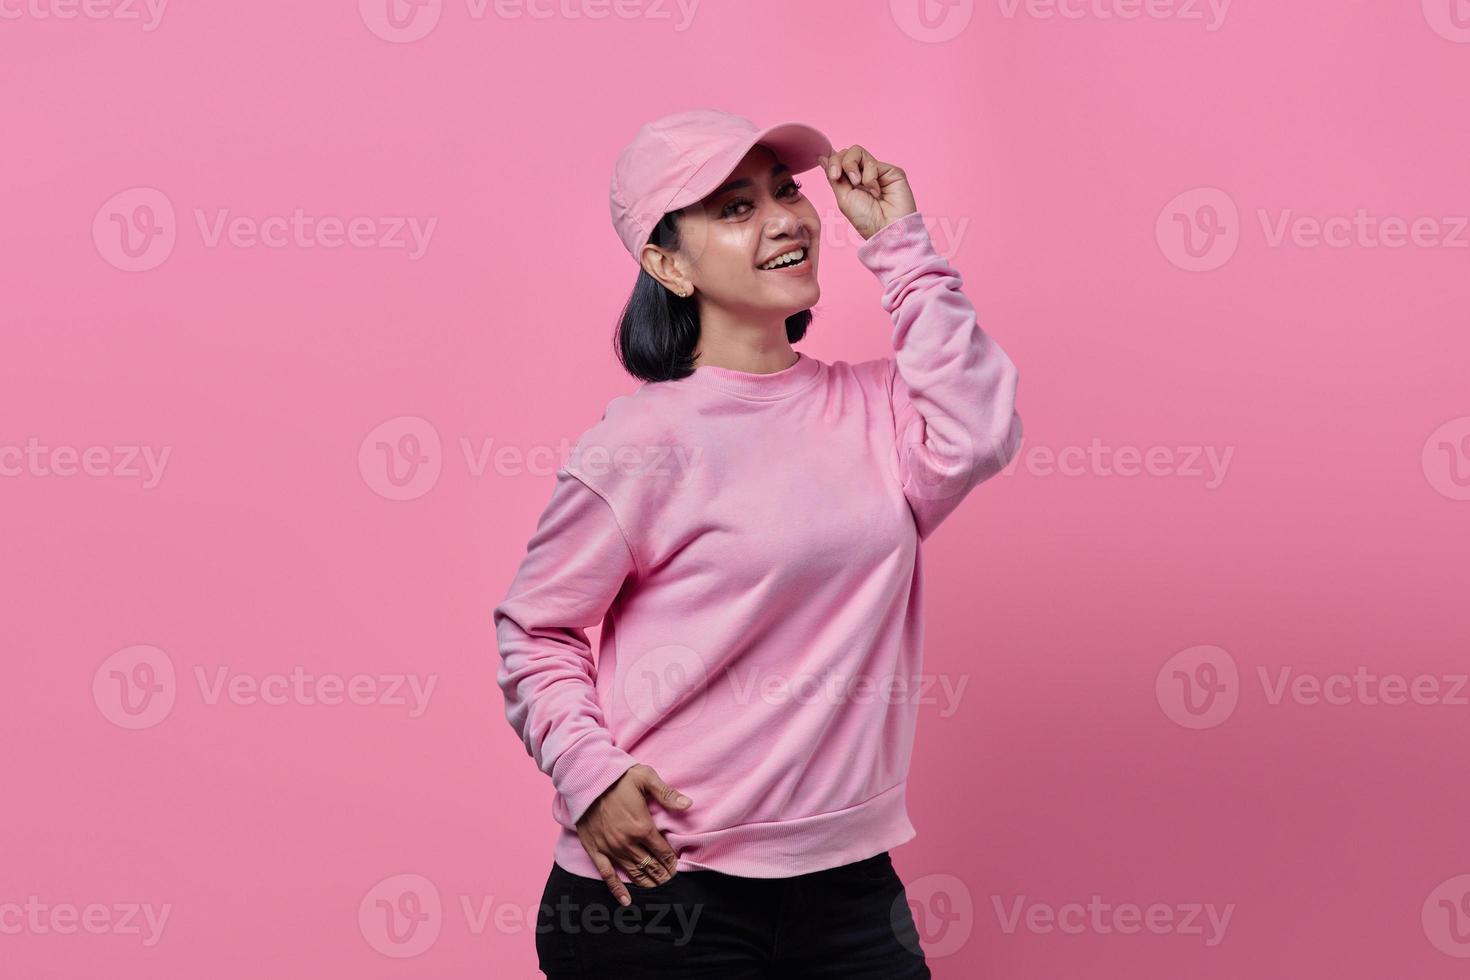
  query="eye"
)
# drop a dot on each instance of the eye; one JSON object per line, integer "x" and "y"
{"x": 790, "y": 189}
{"x": 728, "y": 210}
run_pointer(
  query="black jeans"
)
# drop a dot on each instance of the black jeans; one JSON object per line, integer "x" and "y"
{"x": 852, "y": 922}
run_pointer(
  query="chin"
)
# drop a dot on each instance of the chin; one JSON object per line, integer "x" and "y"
{"x": 797, "y": 298}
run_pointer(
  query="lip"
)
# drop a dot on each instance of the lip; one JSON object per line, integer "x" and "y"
{"x": 789, "y": 270}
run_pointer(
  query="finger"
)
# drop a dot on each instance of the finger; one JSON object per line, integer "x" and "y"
{"x": 870, "y": 172}
{"x": 646, "y": 870}
{"x": 660, "y": 871}
{"x": 642, "y": 877}
{"x": 852, "y": 163}
{"x": 655, "y": 844}
{"x": 833, "y": 165}
{"x": 838, "y": 163}
{"x": 610, "y": 876}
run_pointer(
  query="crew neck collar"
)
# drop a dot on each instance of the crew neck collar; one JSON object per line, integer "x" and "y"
{"x": 776, "y": 384}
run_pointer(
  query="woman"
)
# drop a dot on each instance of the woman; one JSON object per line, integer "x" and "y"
{"x": 745, "y": 526}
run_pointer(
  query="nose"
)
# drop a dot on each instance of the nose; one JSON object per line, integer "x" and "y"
{"x": 782, "y": 221}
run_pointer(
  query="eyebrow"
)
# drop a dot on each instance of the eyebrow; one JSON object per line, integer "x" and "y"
{"x": 779, "y": 168}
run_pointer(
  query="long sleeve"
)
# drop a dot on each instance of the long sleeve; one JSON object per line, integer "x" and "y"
{"x": 575, "y": 565}
{"x": 952, "y": 389}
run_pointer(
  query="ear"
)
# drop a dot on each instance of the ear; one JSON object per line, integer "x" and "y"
{"x": 665, "y": 267}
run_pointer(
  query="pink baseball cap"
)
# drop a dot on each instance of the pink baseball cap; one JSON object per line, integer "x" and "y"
{"x": 680, "y": 158}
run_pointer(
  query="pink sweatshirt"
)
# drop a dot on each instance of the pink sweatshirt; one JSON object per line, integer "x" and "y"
{"x": 750, "y": 544}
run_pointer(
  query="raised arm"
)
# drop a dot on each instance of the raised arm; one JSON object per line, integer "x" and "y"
{"x": 952, "y": 389}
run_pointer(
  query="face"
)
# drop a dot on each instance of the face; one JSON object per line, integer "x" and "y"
{"x": 728, "y": 239}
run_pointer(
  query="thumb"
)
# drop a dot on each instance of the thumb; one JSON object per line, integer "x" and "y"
{"x": 668, "y": 797}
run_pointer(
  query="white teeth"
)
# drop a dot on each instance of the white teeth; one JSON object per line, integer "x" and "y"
{"x": 786, "y": 259}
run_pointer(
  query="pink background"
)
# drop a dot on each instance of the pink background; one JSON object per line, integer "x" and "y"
{"x": 1059, "y": 161}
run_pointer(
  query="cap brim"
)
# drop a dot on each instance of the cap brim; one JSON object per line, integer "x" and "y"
{"x": 797, "y": 144}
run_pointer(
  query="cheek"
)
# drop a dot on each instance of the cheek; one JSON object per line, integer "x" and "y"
{"x": 706, "y": 240}
{"x": 727, "y": 257}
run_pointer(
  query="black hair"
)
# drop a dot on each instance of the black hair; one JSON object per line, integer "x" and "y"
{"x": 658, "y": 330}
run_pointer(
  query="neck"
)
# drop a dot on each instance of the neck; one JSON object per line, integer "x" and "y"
{"x": 743, "y": 345}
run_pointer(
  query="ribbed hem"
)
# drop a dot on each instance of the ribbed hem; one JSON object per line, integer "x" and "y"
{"x": 759, "y": 387}
{"x": 780, "y": 849}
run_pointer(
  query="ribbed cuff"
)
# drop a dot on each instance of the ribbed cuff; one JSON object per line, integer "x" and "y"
{"x": 899, "y": 245}
{"x": 584, "y": 772}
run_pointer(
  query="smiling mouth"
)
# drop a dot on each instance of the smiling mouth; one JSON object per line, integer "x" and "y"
{"x": 785, "y": 260}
